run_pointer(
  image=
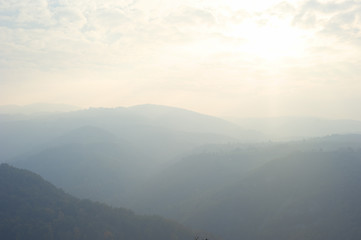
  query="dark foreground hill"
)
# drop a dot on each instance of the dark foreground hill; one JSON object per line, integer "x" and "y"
{"x": 31, "y": 208}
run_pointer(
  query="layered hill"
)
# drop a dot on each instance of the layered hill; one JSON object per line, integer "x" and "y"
{"x": 31, "y": 208}
{"x": 104, "y": 154}
{"x": 90, "y": 163}
{"x": 151, "y": 128}
{"x": 184, "y": 185}
{"x": 309, "y": 195}
{"x": 182, "y": 165}
{"x": 287, "y": 128}
{"x": 263, "y": 191}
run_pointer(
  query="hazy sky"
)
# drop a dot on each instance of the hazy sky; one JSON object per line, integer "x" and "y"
{"x": 221, "y": 57}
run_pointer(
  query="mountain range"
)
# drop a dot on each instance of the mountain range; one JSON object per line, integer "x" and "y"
{"x": 201, "y": 171}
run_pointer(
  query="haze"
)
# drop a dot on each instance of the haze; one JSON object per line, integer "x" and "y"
{"x": 224, "y": 58}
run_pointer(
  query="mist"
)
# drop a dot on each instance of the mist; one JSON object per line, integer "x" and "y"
{"x": 202, "y": 120}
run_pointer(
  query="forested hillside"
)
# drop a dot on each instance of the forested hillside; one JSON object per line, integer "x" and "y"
{"x": 206, "y": 170}
{"x": 31, "y": 208}
{"x": 310, "y": 195}
{"x": 291, "y": 190}
{"x": 191, "y": 168}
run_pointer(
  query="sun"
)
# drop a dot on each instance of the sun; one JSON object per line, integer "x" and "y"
{"x": 274, "y": 41}
{"x": 271, "y": 41}
{"x": 265, "y": 35}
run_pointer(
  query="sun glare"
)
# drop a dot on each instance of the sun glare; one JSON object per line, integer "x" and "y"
{"x": 264, "y": 35}
{"x": 274, "y": 42}
{"x": 271, "y": 41}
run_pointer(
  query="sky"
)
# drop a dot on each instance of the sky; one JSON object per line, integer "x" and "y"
{"x": 260, "y": 58}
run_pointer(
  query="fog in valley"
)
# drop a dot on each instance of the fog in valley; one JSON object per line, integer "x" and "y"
{"x": 180, "y": 120}
{"x": 204, "y": 172}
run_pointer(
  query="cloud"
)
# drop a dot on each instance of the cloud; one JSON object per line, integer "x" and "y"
{"x": 25, "y": 14}
{"x": 282, "y": 9}
{"x": 68, "y": 17}
{"x": 129, "y": 31}
{"x": 150, "y": 48}
{"x": 109, "y": 18}
{"x": 324, "y": 15}
{"x": 346, "y": 25}
{"x": 191, "y": 16}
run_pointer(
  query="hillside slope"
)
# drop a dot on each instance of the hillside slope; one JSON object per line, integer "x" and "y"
{"x": 31, "y": 208}
{"x": 192, "y": 181}
{"x": 309, "y": 195}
